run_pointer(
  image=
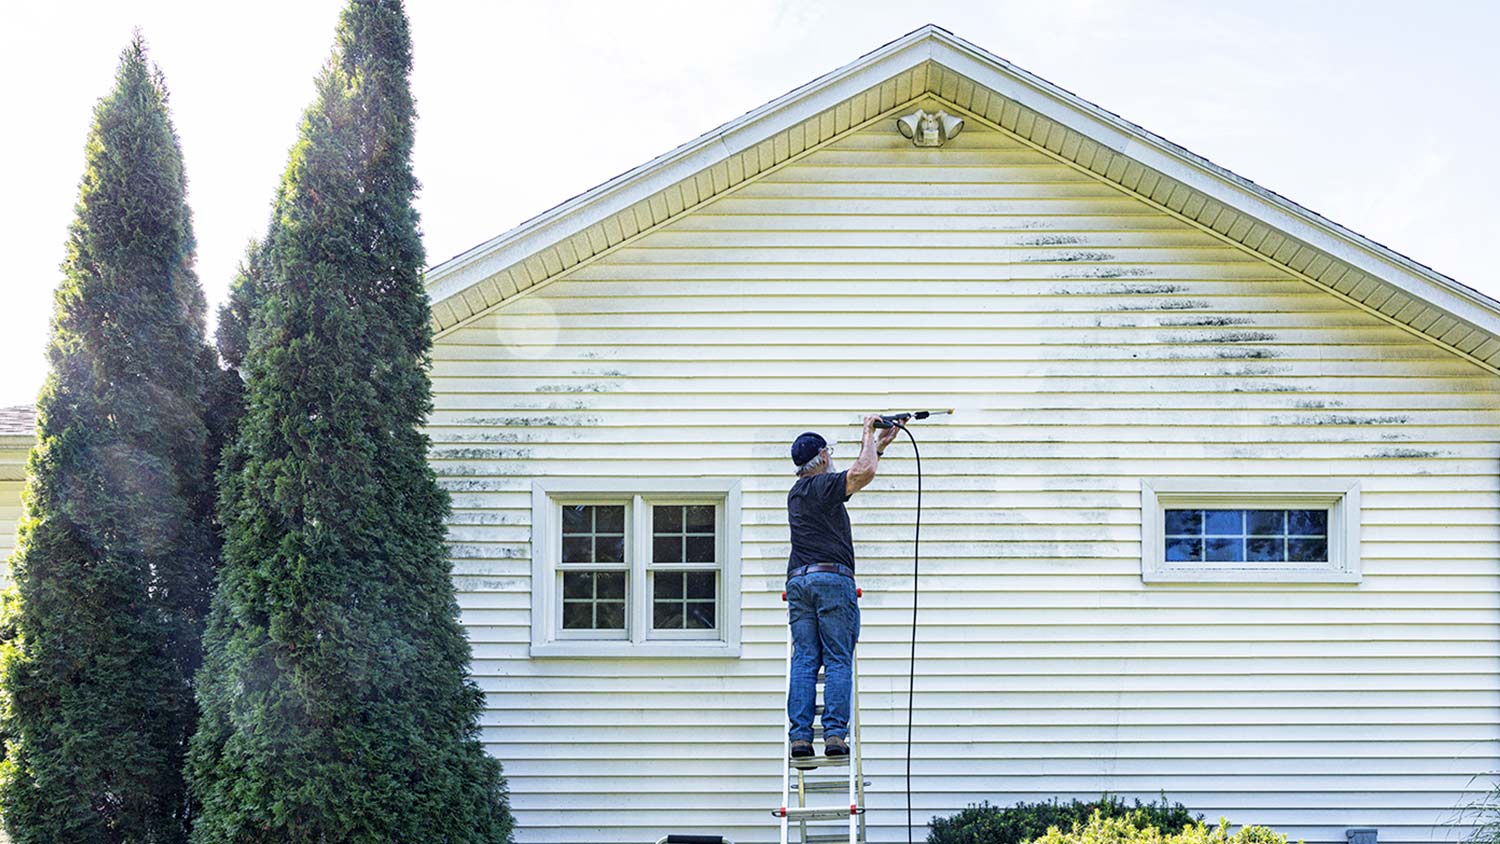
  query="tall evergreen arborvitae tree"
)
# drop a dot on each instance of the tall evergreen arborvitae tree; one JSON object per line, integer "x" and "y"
{"x": 114, "y": 560}
{"x": 336, "y": 703}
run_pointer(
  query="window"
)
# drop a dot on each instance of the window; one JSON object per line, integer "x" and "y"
{"x": 635, "y": 568}
{"x": 1250, "y": 530}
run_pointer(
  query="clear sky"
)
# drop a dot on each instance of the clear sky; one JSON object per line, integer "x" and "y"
{"x": 1381, "y": 116}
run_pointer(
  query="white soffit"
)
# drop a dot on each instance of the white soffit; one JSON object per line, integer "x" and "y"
{"x": 933, "y": 62}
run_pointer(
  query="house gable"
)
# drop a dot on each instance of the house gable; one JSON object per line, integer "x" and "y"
{"x": 931, "y": 63}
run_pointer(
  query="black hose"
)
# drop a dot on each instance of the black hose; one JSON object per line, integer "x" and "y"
{"x": 911, "y": 681}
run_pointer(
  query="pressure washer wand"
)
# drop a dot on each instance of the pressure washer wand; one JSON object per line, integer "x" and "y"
{"x": 894, "y": 419}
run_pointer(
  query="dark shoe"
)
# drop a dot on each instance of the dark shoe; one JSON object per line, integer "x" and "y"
{"x": 803, "y": 749}
{"x": 835, "y": 746}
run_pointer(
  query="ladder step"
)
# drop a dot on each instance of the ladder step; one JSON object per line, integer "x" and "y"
{"x": 817, "y": 813}
{"x": 828, "y": 838}
{"x": 839, "y": 785}
{"x": 805, "y": 762}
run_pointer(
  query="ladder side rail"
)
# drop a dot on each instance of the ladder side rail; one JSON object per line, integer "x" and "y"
{"x": 786, "y": 740}
{"x": 857, "y": 829}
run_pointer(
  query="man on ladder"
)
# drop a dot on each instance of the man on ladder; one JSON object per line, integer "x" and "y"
{"x": 820, "y": 593}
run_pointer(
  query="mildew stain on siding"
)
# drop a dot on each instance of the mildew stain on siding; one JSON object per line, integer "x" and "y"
{"x": 466, "y": 551}
{"x": 480, "y": 453}
{"x": 1208, "y": 321}
{"x": 1346, "y": 419}
{"x": 1407, "y": 453}
{"x": 1117, "y": 289}
{"x": 531, "y": 421}
{"x": 1053, "y": 240}
{"x": 1115, "y": 272}
{"x": 1164, "y": 305}
{"x": 1234, "y": 354}
{"x": 1250, "y": 371}
{"x": 591, "y": 387}
{"x": 1223, "y": 337}
{"x": 1069, "y": 257}
{"x": 1270, "y": 388}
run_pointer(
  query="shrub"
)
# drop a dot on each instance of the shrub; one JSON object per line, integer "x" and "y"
{"x": 986, "y": 824}
{"x": 1129, "y": 829}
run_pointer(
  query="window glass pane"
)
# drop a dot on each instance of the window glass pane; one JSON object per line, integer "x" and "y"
{"x": 668, "y": 584}
{"x": 667, "y": 549}
{"x": 1222, "y": 522}
{"x": 700, "y": 549}
{"x": 1262, "y": 549}
{"x": 611, "y": 584}
{"x": 1307, "y": 550}
{"x": 578, "y": 616}
{"x": 1307, "y": 522}
{"x": 609, "y": 549}
{"x": 1224, "y": 549}
{"x": 593, "y": 600}
{"x": 1184, "y": 549}
{"x": 577, "y": 518}
{"x": 611, "y": 615}
{"x": 666, "y": 519}
{"x": 609, "y": 518}
{"x": 578, "y": 584}
{"x": 700, "y": 615}
{"x": 1184, "y": 521}
{"x": 699, "y": 518}
{"x": 1265, "y": 522}
{"x": 667, "y": 615}
{"x": 702, "y": 584}
{"x": 577, "y": 549}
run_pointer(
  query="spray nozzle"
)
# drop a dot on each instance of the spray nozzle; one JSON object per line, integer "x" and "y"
{"x": 893, "y": 419}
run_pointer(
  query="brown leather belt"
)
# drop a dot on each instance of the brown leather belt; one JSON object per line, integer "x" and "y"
{"x": 836, "y": 568}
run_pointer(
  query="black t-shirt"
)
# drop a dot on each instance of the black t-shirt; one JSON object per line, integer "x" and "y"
{"x": 820, "y": 524}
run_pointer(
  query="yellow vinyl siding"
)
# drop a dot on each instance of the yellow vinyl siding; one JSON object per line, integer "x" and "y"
{"x": 13, "y": 452}
{"x": 1087, "y": 340}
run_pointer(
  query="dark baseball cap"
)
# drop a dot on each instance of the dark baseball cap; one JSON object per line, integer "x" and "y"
{"x": 806, "y": 447}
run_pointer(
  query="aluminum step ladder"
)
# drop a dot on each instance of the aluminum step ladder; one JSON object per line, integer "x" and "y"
{"x": 810, "y": 785}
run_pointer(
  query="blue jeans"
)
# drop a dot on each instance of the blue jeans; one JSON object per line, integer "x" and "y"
{"x": 824, "y": 617}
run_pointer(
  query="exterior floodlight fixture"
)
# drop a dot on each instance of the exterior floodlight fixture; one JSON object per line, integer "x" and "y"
{"x": 930, "y": 130}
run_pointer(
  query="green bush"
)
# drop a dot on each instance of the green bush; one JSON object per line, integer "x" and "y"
{"x": 986, "y": 824}
{"x": 1129, "y": 829}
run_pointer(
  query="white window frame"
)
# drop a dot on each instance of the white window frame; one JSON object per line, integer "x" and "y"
{"x": 1339, "y": 496}
{"x": 638, "y": 494}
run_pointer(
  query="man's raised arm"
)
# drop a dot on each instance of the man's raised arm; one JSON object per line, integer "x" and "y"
{"x": 871, "y": 445}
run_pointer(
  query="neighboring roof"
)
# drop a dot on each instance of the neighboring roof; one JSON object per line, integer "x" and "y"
{"x": 931, "y": 62}
{"x": 18, "y": 421}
